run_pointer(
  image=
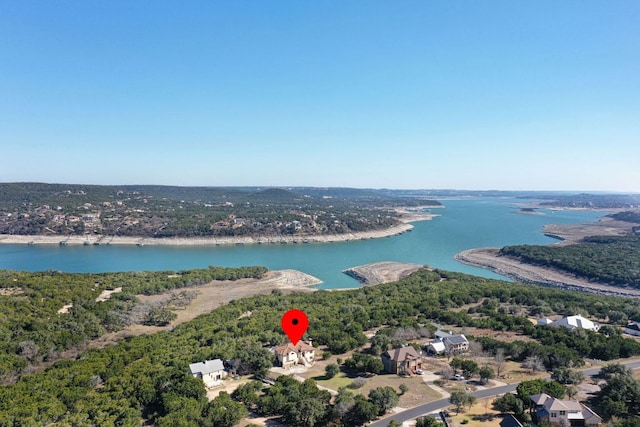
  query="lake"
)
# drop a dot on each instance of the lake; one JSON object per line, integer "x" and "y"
{"x": 462, "y": 224}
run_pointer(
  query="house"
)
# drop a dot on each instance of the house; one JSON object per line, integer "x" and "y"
{"x": 289, "y": 355}
{"x": 544, "y": 321}
{"x": 455, "y": 344}
{"x": 210, "y": 371}
{"x": 632, "y": 328}
{"x": 401, "y": 360}
{"x": 576, "y": 322}
{"x": 563, "y": 412}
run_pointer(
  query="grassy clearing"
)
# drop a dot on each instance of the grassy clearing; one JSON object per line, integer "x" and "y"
{"x": 481, "y": 414}
{"x": 340, "y": 380}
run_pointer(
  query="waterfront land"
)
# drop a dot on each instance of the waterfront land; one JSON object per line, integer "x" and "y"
{"x": 579, "y": 261}
{"x": 88, "y": 214}
{"x": 382, "y": 272}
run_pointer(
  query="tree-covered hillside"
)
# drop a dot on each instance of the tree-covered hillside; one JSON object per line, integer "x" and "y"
{"x": 613, "y": 260}
{"x": 147, "y": 376}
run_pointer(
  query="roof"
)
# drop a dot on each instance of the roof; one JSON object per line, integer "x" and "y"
{"x": 438, "y": 346}
{"x": 544, "y": 321}
{"x": 457, "y": 339}
{"x": 402, "y": 354}
{"x": 441, "y": 334}
{"x": 510, "y": 421}
{"x": 290, "y": 348}
{"x": 576, "y": 321}
{"x": 539, "y": 399}
{"x": 206, "y": 367}
{"x": 575, "y": 410}
{"x": 589, "y": 414}
{"x": 634, "y": 326}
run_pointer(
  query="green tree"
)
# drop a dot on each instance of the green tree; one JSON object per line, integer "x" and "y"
{"x": 403, "y": 388}
{"x": 224, "y": 412}
{"x": 467, "y": 366}
{"x": 384, "y": 398}
{"x": 460, "y": 399}
{"x": 306, "y": 413}
{"x": 331, "y": 370}
{"x": 253, "y": 359}
{"x": 508, "y": 402}
{"x": 428, "y": 422}
{"x": 248, "y": 393}
{"x": 361, "y": 412}
{"x": 567, "y": 376}
{"x": 486, "y": 373}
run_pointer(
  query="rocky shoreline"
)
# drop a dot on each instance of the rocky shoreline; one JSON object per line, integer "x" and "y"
{"x": 203, "y": 241}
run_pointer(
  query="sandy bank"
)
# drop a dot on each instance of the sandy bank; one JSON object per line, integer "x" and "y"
{"x": 573, "y": 233}
{"x": 204, "y": 241}
{"x": 514, "y": 269}
{"x": 381, "y": 272}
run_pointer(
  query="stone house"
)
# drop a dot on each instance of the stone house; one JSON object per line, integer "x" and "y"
{"x": 289, "y": 355}
{"x": 401, "y": 360}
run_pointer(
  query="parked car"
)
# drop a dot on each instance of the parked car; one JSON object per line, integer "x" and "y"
{"x": 419, "y": 371}
{"x": 458, "y": 377}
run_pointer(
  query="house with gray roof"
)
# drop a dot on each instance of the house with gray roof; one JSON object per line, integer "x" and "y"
{"x": 456, "y": 344}
{"x": 211, "y": 372}
{"x": 564, "y": 413}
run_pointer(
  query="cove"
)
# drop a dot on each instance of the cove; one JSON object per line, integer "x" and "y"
{"x": 462, "y": 224}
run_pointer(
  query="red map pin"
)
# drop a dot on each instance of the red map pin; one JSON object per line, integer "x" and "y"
{"x": 294, "y": 324}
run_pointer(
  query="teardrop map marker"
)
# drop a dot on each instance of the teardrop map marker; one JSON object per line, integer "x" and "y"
{"x": 294, "y": 324}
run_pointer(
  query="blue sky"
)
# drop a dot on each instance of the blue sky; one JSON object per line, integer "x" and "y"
{"x": 540, "y": 95}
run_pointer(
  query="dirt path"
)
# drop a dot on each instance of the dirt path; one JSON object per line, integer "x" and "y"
{"x": 527, "y": 273}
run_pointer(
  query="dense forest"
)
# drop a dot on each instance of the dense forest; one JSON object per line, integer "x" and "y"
{"x": 147, "y": 377}
{"x": 613, "y": 260}
{"x": 158, "y": 211}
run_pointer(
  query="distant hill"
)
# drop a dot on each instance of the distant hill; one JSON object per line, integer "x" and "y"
{"x": 171, "y": 211}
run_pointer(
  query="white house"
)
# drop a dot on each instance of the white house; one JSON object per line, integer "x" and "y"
{"x": 576, "y": 322}
{"x": 290, "y": 355}
{"x": 563, "y": 412}
{"x": 210, "y": 371}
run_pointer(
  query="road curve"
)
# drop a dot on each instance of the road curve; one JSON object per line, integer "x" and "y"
{"x": 437, "y": 405}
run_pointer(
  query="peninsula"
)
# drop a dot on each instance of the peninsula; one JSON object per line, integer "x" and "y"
{"x": 35, "y": 213}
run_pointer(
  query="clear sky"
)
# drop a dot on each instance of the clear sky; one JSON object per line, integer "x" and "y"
{"x": 513, "y": 95}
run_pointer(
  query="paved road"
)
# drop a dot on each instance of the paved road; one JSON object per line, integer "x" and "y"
{"x": 437, "y": 405}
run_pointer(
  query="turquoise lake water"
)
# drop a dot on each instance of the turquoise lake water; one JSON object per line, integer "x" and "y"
{"x": 462, "y": 224}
